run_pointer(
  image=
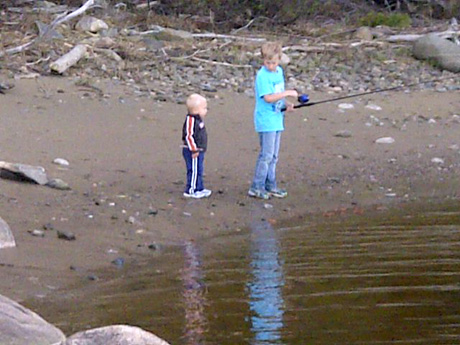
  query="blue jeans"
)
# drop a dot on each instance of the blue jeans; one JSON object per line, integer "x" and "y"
{"x": 265, "y": 172}
{"x": 195, "y": 168}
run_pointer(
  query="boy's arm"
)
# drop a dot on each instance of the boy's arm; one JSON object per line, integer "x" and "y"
{"x": 275, "y": 97}
{"x": 190, "y": 136}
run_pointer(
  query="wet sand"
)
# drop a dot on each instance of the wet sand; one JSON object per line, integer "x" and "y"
{"x": 127, "y": 173}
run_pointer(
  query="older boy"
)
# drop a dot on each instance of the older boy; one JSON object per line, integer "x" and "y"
{"x": 195, "y": 141}
{"x": 269, "y": 121}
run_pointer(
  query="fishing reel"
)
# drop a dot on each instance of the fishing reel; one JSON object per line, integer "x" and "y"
{"x": 303, "y": 98}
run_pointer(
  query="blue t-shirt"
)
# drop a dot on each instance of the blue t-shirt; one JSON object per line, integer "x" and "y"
{"x": 268, "y": 117}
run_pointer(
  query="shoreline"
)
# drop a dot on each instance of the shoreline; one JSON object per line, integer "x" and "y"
{"x": 127, "y": 174}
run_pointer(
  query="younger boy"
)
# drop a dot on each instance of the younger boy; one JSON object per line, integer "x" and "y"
{"x": 195, "y": 141}
{"x": 269, "y": 121}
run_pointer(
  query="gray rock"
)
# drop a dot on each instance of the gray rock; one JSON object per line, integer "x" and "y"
{"x": 91, "y": 24}
{"x": 444, "y": 52}
{"x": 6, "y": 236}
{"x": 343, "y": 134}
{"x": 23, "y": 172}
{"x": 364, "y": 33}
{"x": 4, "y": 86}
{"x": 153, "y": 44}
{"x": 58, "y": 184}
{"x": 66, "y": 235}
{"x": 50, "y": 33}
{"x": 20, "y": 326}
{"x": 167, "y": 34}
{"x": 117, "y": 334}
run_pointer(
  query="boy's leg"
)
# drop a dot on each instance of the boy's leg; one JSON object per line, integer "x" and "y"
{"x": 189, "y": 187}
{"x": 199, "y": 171}
{"x": 271, "y": 174}
{"x": 267, "y": 147}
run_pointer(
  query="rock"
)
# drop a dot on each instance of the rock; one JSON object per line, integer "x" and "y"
{"x": 5, "y": 86}
{"x": 166, "y": 34}
{"x": 385, "y": 140}
{"x": 65, "y": 235}
{"x": 61, "y": 161}
{"x": 119, "y": 262}
{"x": 91, "y": 24}
{"x": 117, "y": 334}
{"x": 373, "y": 107}
{"x": 444, "y": 52}
{"x": 364, "y": 33}
{"x": 52, "y": 34}
{"x": 153, "y": 246}
{"x": 285, "y": 60}
{"x": 20, "y": 326}
{"x": 345, "y": 106}
{"x": 58, "y": 184}
{"x": 153, "y": 45}
{"x": 37, "y": 233}
{"x": 104, "y": 43}
{"x": 6, "y": 236}
{"x": 343, "y": 134}
{"x": 23, "y": 172}
{"x": 437, "y": 160}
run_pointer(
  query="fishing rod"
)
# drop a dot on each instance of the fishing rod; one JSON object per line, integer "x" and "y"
{"x": 303, "y": 99}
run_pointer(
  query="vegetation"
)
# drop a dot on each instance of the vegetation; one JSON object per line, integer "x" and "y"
{"x": 225, "y": 15}
{"x": 284, "y": 11}
{"x": 399, "y": 20}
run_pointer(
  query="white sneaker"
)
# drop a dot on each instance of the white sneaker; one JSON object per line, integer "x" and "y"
{"x": 207, "y": 193}
{"x": 196, "y": 195}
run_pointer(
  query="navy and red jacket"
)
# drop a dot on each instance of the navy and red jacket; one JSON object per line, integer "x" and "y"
{"x": 194, "y": 134}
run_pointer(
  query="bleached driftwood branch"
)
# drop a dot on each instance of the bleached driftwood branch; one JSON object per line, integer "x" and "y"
{"x": 69, "y": 59}
{"x": 231, "y": 37}
{"x": 60, "y": 19}
{"x": 411, "y": 38}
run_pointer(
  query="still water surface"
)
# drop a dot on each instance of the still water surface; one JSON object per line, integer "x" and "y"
{"x": 381, "y": 281}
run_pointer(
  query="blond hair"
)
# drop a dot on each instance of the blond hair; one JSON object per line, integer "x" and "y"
{"x": 194, "y": 101}
{"x": 271, "y": 50}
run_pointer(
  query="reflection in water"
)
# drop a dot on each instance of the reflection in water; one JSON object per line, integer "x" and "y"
{"x": 194, "y": 296}
{"x": 384, "y": 281}
{"x": 266, "y": 300}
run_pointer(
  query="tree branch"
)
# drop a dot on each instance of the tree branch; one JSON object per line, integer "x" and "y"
{"x": 59, "y": 20}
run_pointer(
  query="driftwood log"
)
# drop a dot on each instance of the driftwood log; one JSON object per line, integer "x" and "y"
{"x": 69, "y": 59}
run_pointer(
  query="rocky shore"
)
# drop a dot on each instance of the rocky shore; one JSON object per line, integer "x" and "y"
{"x": 115, "y": 118}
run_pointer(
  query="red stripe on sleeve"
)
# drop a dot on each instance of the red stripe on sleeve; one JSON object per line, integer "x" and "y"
{"x": 189, "y": 135}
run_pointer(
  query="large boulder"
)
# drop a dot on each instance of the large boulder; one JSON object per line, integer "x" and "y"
{"x": 6, "y": 236}
{"x": 117, "y": 334}
{"x": 20, "y": 326}
{"x": 444, "y": 53}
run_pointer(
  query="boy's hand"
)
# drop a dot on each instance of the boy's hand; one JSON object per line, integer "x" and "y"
{"x": 292, "y": 93}
{"x": 290, "y": 107}
{"x": 195, "y": 154}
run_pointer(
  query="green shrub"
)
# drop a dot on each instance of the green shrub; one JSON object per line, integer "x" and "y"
{"x": 372, "y": 19}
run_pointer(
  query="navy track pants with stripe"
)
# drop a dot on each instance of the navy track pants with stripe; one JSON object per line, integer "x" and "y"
{"x": 195, "y": 168}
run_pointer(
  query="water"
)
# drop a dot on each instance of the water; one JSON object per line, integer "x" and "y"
{"x": 386, "y": 280}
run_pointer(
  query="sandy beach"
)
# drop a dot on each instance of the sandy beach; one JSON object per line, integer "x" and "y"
{"x": 127, "y": 174}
